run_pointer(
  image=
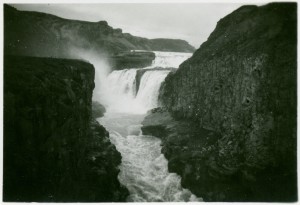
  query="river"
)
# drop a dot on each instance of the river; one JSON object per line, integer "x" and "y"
{"x": 144, "y": 169}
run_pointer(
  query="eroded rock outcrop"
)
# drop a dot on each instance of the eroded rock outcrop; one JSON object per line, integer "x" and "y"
{"x": 234, "y": 105}
{"x": 98, "y": 109}
{"x": 132, "y": 59}
{"x": 54, "y": 151}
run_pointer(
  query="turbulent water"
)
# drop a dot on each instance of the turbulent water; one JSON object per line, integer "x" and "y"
{"x": 144, "y": 170}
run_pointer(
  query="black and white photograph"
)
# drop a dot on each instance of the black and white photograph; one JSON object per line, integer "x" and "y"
{"x": 151, "y": 101}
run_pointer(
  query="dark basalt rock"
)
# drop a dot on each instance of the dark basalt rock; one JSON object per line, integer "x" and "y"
{"x": 239, "y": 85}
{"x": 54, "y": 151}
{"x": 98, "y": 109}
{"x": 40, "y": 34}
{"x": 133, "y": 59}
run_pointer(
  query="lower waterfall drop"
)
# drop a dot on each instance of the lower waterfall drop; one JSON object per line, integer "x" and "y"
{"x": 123, "y": 95}
{"x": 149, "y": 88}
{"x": 120, "y": 92}
{"x": 123, "y": 82}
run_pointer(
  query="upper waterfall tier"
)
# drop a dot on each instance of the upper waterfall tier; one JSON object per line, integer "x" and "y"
{"x": 169, "y": 59}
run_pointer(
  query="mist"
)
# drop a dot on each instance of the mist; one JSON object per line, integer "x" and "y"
{"x": 102, "y": 69}
{"x": 109, "y": 89}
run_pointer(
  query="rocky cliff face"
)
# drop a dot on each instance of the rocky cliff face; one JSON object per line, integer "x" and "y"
{"x": 53, "y": 150}
{"x": 40, "y": 34}
{"x": 239, "y": 90}
{"x": 132, "y": 59}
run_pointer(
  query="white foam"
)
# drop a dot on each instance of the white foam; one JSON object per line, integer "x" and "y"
{"x": 144, "y": 169}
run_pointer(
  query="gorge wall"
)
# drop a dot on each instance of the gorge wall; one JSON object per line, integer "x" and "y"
{"x": 230, "y": 125}
{"x": 40, "y": 34}
{"x": 54, "y": 151}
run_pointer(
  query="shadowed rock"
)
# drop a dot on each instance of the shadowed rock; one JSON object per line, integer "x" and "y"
{"x": 239, "y": 85}
{"x": 54, "y": 151}
{"x": 98, "y": 109}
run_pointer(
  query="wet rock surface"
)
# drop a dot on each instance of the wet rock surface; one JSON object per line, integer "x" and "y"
{"x": 53, "y": 149}
{"x": 232, "y": 105}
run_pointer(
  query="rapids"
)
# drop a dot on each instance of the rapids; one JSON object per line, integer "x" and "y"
{"x": 144, "y": 169}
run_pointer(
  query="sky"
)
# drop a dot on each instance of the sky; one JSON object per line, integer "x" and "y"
{"x": 192, "y": 22}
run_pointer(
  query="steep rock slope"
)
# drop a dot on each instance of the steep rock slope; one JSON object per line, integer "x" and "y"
{"x": 240, "y": 87}
{"x": 40, "y": 34}
{"x": 53, "y": 150}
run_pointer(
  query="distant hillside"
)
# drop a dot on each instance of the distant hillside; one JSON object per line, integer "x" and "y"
{"x": 41, "y": 34}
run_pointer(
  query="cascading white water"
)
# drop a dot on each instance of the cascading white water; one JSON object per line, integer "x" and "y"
{"x": 149, "y": 88}
{"x": 120, "y": 92}
{"x": 144, "y": 169}
{"x": 123, "y": 82}
{"x": 121, "y": 87}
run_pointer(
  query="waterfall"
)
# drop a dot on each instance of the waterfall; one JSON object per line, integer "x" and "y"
{"x": 121, "y": 93}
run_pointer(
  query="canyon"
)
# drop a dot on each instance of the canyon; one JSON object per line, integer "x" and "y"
{"x": 158, "y": 121}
